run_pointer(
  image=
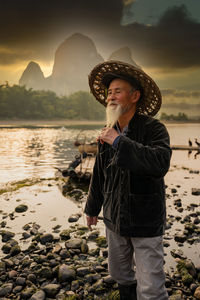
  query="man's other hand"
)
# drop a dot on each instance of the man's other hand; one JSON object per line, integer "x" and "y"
{"x": 91, "y": 221}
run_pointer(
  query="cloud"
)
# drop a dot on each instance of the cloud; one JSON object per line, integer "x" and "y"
{"x": 41, "y": 26}
{"x": 172, "y": 43}
{"x": 9, "y": 57}
{"x": 181, "y": 96}
{"x": 23, "y": 21}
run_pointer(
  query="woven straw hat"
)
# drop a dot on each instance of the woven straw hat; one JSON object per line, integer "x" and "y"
{"x": 149, "y": 103}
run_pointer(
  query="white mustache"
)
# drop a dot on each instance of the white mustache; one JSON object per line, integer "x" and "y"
{"x": 113, "y": 111}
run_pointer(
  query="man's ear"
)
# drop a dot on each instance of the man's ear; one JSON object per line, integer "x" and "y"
{"x": 135, "y": 96}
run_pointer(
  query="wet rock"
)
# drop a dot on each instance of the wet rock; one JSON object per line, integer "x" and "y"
{"x": 84, "y": 248}
{"x": 26, "y": 227}
{"x": 51, "y": 289}
{"x": 178, "y": 202}
{"x": 197, "y": 293}
{"x": 32, "y": 278}
{"x": 195, "y": 191}
{"x": 176, "y": 297}
{"x": 99, "y": 269}
{"x": 168, "y": 226}
{"x": 15, "y": 250}
{"x": 193, "y": 287}
{"x": 108, "y": 279}
{"x": 180, "y": 238}
{"x": 6, "y": 248}
{"x": 12, "y": 274}
{"x": 190, "y": 267}
{"x": 194, "y": 171}
{"x": 186, "y": 278}
{"x": 190, "y": 227}
{"x": 73, "y": 244}
{"x": 101, "y": 241}
{"x": 76, "y": 193}
{"x": 57, "y": 248}
{"x": 6, "y": 235}
{"x": 17, "y": 289}
{"x": 65, "y": 235}
{"x": 83, "y": 271}
{"x": 35, "y": 228}
{"x": 25, "y": 235}
{"x": 75, "y": 285}
{"x": 105, "y": 253}
{"x": 73, "y": 218}
{"x": 196, "y": 221}
{"x": 44, "y": 272}
{"x": 177, "y": 253}
{"x": 64, "y": 253}
{"x": 39, "y": 295}
{"x": 56, "y": 227}
{"x": 94, "y": 252}
{"x": 46, "y": 238}
{"x": 21, "y": 208}
{"x": 66, "y": 273}
{"x": 3, "y": 224}
{"x": 2, "y": 266}
{"x": 166, "y": 244}
{"x": 114, "y": 295}
{"x": 8, "y": 262}
{"x": 6, "y": 289}
{"x": 20, "y": 281}
{"x": 97, "y": 287}
{"x": 28, "y": 292}
{"x": 33, "y": 246}
{"x": 93, "y": 235}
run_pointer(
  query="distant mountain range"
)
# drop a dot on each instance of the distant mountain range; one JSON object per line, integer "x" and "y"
{"x": 74, "y": 59}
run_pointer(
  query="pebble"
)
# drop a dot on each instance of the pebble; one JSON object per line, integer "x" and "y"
{"x": 195, "y": 191}
{"x": 21, "y": 208}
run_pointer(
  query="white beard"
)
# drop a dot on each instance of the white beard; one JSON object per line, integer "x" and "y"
{"x": 113, "y": 112}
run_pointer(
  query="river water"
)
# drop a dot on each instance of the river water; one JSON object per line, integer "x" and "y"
{"x": 36, "y": 152}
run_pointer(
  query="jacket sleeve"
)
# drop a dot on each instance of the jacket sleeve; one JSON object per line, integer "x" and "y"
{"x": 95, "y": 196}
{"x": 151, "y": 159}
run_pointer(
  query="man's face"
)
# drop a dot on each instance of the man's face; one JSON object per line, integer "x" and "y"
{"x": 120, "y": 93}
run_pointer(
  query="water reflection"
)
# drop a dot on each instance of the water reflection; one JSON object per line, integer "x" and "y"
{"x": 26, "y": 153}
{"x": 30, "y": 152}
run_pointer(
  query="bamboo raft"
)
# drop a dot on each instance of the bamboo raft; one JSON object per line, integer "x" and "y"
{"x": 185, "y": 147}
{"x": 86, "y": 166}
{"x": 92, "y": 148}
{"x": 82, "y": 167}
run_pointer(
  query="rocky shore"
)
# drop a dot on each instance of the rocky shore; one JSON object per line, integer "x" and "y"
{"x": 67, "y": 261}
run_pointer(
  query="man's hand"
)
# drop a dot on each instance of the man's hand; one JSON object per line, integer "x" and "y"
{"x": 108, "y": 135}
{"x": 91, "y": 221}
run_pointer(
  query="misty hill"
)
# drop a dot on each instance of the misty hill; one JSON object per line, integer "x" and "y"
{"x": 33, "y": 77}
{"x": 123, "y": 54}
{"x": 74, "y": 59}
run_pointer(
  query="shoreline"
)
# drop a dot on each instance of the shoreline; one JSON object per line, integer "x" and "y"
{"x": 55, "y": 123}
{"x": 63, "y": 122}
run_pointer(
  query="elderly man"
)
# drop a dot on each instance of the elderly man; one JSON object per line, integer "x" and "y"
{"x": 133, "y": 157}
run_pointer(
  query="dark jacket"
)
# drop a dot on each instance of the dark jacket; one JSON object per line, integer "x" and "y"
{"x": 128, "y": 182}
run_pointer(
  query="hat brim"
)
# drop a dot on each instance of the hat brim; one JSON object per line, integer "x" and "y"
{"x": 102, "y": 74}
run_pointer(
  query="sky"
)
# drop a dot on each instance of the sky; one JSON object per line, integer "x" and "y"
{"x": 163, "y": 36}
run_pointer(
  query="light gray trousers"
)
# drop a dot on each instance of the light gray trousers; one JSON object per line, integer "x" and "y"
{"x": 140, "y": 259}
